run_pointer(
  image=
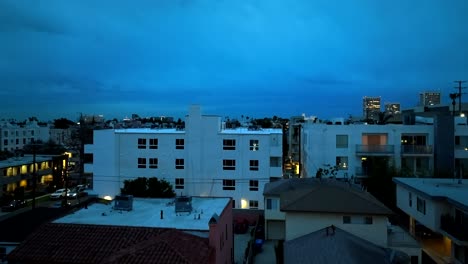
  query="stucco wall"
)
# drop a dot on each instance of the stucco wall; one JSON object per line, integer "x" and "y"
{"x": 299, "y": 224}
{"x": 221, "y": 237}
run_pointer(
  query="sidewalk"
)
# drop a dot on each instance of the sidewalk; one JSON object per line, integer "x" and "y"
{"x": 267, "y": 256}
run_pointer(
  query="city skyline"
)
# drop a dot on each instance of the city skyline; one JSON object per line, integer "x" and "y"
{"x": 254, "y": 59}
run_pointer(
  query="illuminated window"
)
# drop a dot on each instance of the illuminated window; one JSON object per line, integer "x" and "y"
{"x": 229, "y": 185}
{"x": 253, "y": 204}
{"x": 342, "y": 163}
{"x": 179, "y": 183}
{"x": 179, "y": 142}
{"x": 142, "y": 143}
{"x": 253, "y": 185}
{"x": 253, "y": 144}
{"x": 341, "y": 141}
{"x": 229, "y": 144}
{"x": 141, "y": 163}
{"x": 153, "y": 163}
{"x": 153, "y": 143}
{"x": 179, "y": 164}
{"x": 254, "y": 165}
{"x": 229, "y": 164}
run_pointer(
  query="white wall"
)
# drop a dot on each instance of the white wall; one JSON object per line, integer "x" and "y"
{"x": 299, "y": 224}
{"x": 434, "y": 209}
{"x": 319, "y": 143}
{"x": 116, "y": 155}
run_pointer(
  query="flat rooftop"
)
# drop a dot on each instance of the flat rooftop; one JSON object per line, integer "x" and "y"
{"x": 239, "y": 130}
{"x": 27, "y": 159}
{"x": 147, "y": 213}
{"x": 437, "y": 188}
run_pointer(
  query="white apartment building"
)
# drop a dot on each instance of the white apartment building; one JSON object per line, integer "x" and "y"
{"x": 205, "y": 159}
{"x": 14, "y": 137}
{"x": 442, "y": 206}
{"x": 350, "y": 147}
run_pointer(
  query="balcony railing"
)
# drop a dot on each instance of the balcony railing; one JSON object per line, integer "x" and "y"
{"x": 456, "y": 230}
{"x": 375, "y": 149}
{"x": 415, "y": 149}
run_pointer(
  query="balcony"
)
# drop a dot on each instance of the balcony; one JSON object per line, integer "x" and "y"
{"x": 454, "y": 229}
{"x": 375, "y": 150}
{"x": 416, "y": 150}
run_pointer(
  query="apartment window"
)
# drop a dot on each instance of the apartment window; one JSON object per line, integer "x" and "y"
{"x": 179, "y": 143}
{"x": 254, "y": 165}
{"x": 5, "y": 142}
{"x": 229, "y": 144}
{"x": 410, "y": 196}
{"x": 253, "y": 204}
{"x": 179, "y": 164}
{"x": 275, "y": 162}
{"x": 342, "y": 163}
{"x": 32, "y": 132}
{"x": 253, "y": 185}
{"x": 153, "y": 163}
{"x": 229, "y": 164}
{"x": 179, "y": 183}
{"x": 141, "y": 163}
{"x": 368, "y": 220}
{"x": 421, "y": 205}
{"x": 229, "y": 185}
{"x": 153, "y": 143}
{"x": 360, "y": 220}
{"x": 24, "y": 141}
{"x": 272, "y": 204}
{"x": 341, "y": 141}
{"x": 17, "y": 141}
{"x": 253, "y": 144}
{"x": 233, "y": 203}
{"x": 142, "y": 143}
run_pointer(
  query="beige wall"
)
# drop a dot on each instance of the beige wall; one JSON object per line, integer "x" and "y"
{"x": 274, "y": 214}
{"x": 299, "y": 224}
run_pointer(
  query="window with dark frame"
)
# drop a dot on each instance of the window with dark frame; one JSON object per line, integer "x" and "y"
{"x": 341, "y": 141}
{"x": 253, "y": 204}
{"x": 421, "y": 205}
{"x": 253, "y": 185}
{"x": 253, "y": 146}
{"x": 229, "y": 185}
{"x": 153, "y": 163}
{"x": 142, "y": 163}
{"x": 142, "y": 143}
{"x": 229, "y": 164}
{"x": 179, "y": 183}
{"x": 179, "y": 164}
{"x": 180, "y": 143}
{"x": 254, "y": 165}
{"x": 229, "y": 144}
{"x": 153, "y": 143}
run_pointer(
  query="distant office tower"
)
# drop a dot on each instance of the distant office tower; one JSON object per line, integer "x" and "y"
{"x": 392, "y": 108}
{"x": 429, "y": 98}
{"x": 371, "y": 107}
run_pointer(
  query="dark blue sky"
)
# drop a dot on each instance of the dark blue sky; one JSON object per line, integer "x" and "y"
{"x": 255, "y": 57}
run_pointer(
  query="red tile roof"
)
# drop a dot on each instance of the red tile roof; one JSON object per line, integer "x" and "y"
{"x": 73, "y": 243}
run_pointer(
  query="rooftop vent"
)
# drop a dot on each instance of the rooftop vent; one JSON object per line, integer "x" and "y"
{"x": 183, "y": 204}
{"x": 123, "y": 202}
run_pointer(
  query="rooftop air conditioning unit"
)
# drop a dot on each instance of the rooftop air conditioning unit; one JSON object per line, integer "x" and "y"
{"x": 183, "y": 204}
{"x": 123, "y": 202}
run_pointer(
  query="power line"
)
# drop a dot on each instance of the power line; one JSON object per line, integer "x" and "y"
{"x": 459, "y": 93}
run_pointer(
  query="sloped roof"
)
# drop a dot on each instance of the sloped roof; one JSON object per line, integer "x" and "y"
{"x": 342, "y": 247}
{"x": 326, "y": 196}
{"x": 72, "y": 243}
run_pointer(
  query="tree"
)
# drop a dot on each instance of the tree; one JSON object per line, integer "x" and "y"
{"x": 63, "y": 123}
{"x": 45, "y": 148}
{"x": 380, "y": 180}
{"x": 144, "y": 187}
{"x": 328, "y": 172}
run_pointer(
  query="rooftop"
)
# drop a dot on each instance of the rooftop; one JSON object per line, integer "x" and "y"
{"x": 239, "y": 130}
{"x": 147, "y": 213}
{"x": 246, "y": 130}
{"x": 27, "y": 159}
{"x": 437, "y": 188}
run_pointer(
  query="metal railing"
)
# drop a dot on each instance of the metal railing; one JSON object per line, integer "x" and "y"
{"x": 375, "y": 149}
{"x": 416, "y": 149}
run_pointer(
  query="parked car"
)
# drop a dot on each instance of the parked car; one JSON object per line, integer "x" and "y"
{"x": 13, "y": 205}
{"x": 59, "y": 194}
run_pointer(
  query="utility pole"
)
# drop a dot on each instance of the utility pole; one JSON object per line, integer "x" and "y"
{"x": 459, "y": 93}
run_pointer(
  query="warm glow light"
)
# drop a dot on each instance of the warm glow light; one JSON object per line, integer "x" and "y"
{"x": 23, "y": 183}
{"x": 462, "y": 115}
{"x": 108, "y": 198}
{"x": 297, "y": 169}
{"x": 69, "y": 154}
{"x": 244, "y": 204}
{"x": 363, "y": 158}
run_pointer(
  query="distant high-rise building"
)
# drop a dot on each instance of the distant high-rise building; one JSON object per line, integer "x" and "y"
{"x": 392, "y": 108}
{"x": 429, "y": 98}
{"x": 371, "y": 107}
